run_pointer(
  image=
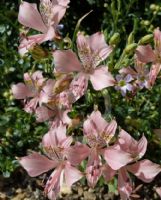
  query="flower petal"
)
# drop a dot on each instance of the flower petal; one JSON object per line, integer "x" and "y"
{"x": 43, "y": 113}
{"x": 30, "y": 17}
{"x": 101, "y": 78}
{"x": 142, "y": 146}
{"x": 36, "y": 164}
{"x": 130, "y": 145}
{"x": 145, "y": 54}
{"x": 98, "y": 44}
{"x": 72, "y": 174}
{"x": 124, "y": 184}
{"x": 20, "y": 91}
{"x": 107, "y": 172}
{"x": 66, "y": 61}
{"x": 93, "y": 170}
{"x": 59, "y": 11}
{"x": 116, "y": 158}
{"x": 75, "y": 154}
{"x": 145, "y": 170}
{"x": 52, "y": 187}
{"x": 79, "y": 86}
{"x": 55, "y": 136}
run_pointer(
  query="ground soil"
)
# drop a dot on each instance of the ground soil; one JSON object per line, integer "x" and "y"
{"x": 22, "y": 187}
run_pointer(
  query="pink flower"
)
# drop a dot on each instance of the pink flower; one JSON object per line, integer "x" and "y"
{"x": 30, "y": 91}
{"x": 98, "y": 133}
{"x": 46, "y": 21}
{"x": 123, "y": 156}
{"x": 92, "y": 51}
{"x": 146, "y": 54}
{"x": 61, "y": 156}
{"x": 56, "y": 101}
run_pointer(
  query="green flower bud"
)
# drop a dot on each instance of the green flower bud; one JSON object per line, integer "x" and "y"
{"x": 152, "y": 7}
{"x": 130, "y": 38}
{"x": 130, "y": 48}
{"x": 114, "y": 39}
{"x": 146, "y": 23}
{"x": 157, "y": 8}
{"x": 146, "y": 39}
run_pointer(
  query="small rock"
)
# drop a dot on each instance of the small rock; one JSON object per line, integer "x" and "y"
{"x": 19, "y": 190}
{"x": 3, "y": 196}
{"x": 20, "y": 196}
{"x": 80, "y": 191}
{"x": 89, "y": 196}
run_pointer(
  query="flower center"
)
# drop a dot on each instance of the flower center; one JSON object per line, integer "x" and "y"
{"x": 122, "y": 83}
{"x": 46, "y": 11}
{"x": 54, "y": 152}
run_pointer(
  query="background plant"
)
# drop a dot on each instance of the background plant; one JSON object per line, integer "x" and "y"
{"x": 141, "y": 113}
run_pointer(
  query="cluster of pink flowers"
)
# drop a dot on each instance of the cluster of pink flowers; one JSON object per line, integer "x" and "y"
{"x": 52, "y": 99}
{"x": 140, "y": 76}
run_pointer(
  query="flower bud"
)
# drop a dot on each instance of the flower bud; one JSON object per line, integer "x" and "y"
{"x": 146, "y": 22}
{"x": 130, "y": 48}
{"x": 146, "y": 39}
{"x": 152, "y": 7}
{"x": 114, "y": 39}
{"x": 38, "y": 52}
{"x": 130, "y": 38}
{"x": 67, "y": 43}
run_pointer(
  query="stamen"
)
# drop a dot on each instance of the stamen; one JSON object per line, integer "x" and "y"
{"x": 46, "y": 11}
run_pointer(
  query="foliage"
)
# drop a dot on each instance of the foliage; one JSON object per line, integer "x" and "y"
{"x": 137, "y": 114}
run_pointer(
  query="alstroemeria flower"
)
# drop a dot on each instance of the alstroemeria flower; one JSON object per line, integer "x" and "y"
{"x": 59, "y": 155}
{"x": 91, "y": 51}
{"x": 56, "y": 101}
{"x": 46, "y": 21}
{"x": 30, "y": 91}
{"x": 146, "y": 54}
{"x": 123, "y": 83}
{"x": 124, "y": 157}
{"x": 98, "y": 133}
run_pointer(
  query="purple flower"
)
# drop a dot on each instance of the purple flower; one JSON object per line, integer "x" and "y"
{"x": 123, "y": 83}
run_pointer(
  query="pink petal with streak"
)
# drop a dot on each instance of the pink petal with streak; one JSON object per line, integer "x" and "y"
{"x": 66, "y": 61}
{"x": 20, "y": 91}
{"x": 101, "y": 78}
{"x": 52, "y": 187}
{"x": 58, "y": 12}
{"x": 43, "y": 114}
{"x": 36, "y": 164}
{"x": 116, "y": 158}
{"x": 145, "y": 170}
{"x": 145, "y": 54}
{"x": 98, "y": 44}
{"x": 142, "y": 146}
{"x": 79, "y": 86}
{"x": 124, "y": 184}
{"x": 77, "y": 153}
{"x": 30, "y": 17}
{"x": 95, "y": 124}
{"x": 72, "y": 174}
{"x": 130, "y": 145}
{"x": 93, "y": 170}
{"x": 154, "y": 71}
{"x": 55, "y": 136}
{"x": 107, "y": 172}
